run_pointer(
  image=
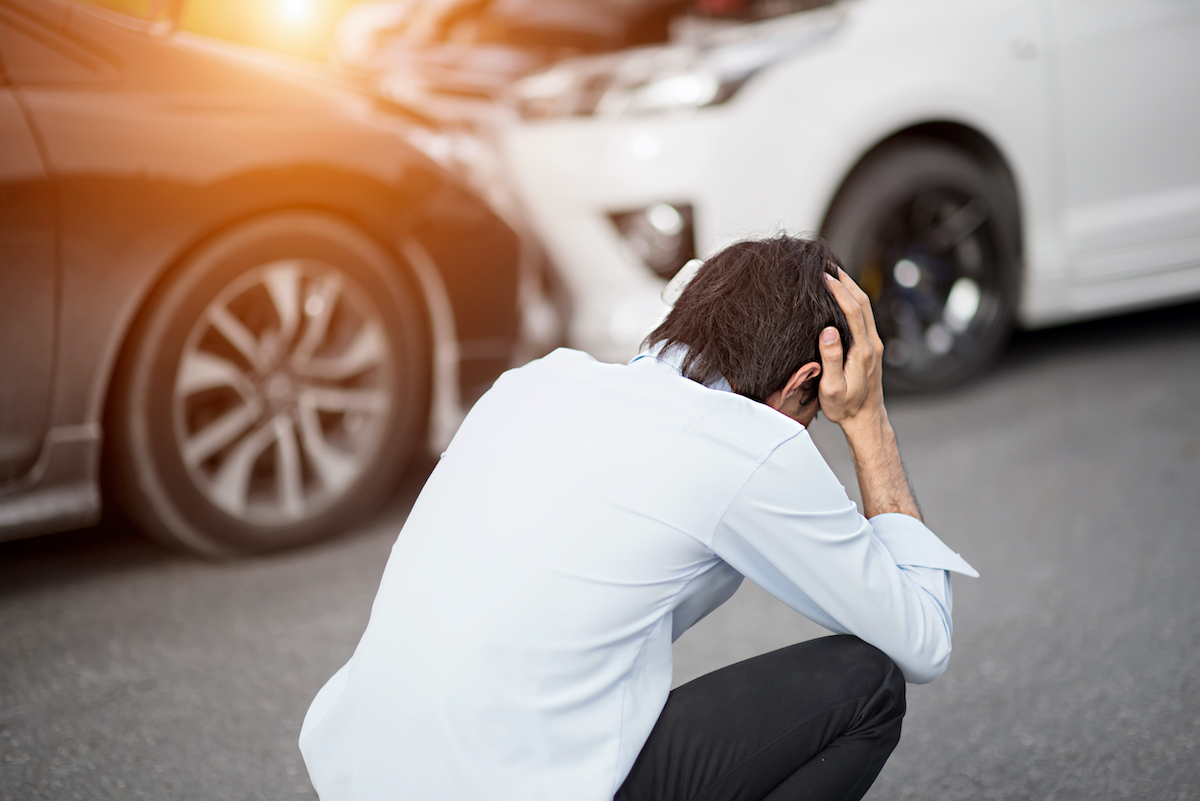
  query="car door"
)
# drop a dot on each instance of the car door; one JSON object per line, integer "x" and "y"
{"x": 1129, "y": 79}
{"x": 27, "y": 281}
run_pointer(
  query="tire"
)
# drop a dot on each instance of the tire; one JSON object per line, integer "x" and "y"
{"x": 272, "y": 390}
{"x": 932, "y": 235}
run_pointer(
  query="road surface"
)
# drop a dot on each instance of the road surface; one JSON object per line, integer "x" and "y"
{"x": 1069, "y": 476}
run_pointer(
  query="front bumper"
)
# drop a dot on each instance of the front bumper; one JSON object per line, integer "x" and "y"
{"x": 573, "y": 175}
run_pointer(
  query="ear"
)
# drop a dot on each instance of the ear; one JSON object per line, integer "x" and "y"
{"x": 799, "y": 378}
{"x": 789, "y": 395}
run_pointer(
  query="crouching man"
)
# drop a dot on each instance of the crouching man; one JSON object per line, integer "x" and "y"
{"x": 587, "y": 514}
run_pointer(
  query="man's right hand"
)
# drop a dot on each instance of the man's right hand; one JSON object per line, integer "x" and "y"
{"x": 853, "y": 392}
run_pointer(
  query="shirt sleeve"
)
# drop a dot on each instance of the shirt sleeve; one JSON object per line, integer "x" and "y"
{"x": 793, "y": 531}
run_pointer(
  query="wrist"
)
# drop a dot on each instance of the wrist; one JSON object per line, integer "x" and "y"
{"x": 868, "y": 424}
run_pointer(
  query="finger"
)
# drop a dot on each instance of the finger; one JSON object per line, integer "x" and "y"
{"x": 856, "y": 292}
{"x": 853, "y": 288}
{"x": 864, "y": 302}
{"x": 830, "y": 345}
{"x": 842, "y": 295}
{"x": 850, "y": 307}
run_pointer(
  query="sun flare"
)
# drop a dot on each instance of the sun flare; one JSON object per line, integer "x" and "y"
{"x": 296, "y": 12}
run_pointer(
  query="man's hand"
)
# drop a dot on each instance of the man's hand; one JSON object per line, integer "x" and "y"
{"x": 852, "y": 397}
{"x": 852, "y": 392}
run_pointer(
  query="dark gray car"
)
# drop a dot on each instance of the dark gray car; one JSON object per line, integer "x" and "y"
{"x": 232, "y": 290}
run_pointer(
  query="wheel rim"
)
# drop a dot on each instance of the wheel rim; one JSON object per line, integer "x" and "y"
{"x": 283, "y": 391}
{"x": 933, "y": 274}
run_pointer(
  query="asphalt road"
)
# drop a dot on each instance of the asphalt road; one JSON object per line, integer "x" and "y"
{"x": 1070, "y": 477}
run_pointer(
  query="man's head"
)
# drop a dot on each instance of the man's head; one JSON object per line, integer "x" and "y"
{"x": 752, "y": 315}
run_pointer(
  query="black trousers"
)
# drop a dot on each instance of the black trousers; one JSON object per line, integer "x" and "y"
{"x": 815, "y": 720}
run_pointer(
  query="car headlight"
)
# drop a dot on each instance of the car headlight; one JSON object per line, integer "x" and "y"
{"x": 662, "y": 235}
{"x": 680, "y": 76}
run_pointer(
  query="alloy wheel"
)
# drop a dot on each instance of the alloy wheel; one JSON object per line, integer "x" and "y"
{"x": 934, "y": 278}
{"x": 283, "y": 391}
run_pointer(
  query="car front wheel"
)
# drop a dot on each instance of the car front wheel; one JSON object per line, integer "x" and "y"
{"x": 930, "y": 233}
{"x": 273, "y": 390}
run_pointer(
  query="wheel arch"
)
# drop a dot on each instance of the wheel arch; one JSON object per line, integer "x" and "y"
{"x": 951, "y": 133}
{"x": 424, "y": 286}
{"x": 916, "y": 147}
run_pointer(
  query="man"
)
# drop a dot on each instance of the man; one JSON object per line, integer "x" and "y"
{"x": 587, "y": 514}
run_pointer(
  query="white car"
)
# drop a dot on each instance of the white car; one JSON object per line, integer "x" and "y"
{"x": 975, "y": 164}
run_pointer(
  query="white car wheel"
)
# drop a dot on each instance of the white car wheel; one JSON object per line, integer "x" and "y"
{"x": 931, "y": 235}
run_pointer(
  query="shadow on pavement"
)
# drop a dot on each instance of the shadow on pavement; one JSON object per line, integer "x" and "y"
{"x": 1094, "y": 335}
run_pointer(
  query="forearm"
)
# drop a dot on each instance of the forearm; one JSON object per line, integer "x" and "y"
{"x": 881, "y": 478}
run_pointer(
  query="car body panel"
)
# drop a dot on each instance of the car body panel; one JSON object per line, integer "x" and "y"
{"x": 27, "y": 289}
{"x": 1126, "y": 120}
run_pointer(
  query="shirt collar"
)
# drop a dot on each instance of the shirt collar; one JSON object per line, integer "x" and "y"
{"x": 673, "y": 358}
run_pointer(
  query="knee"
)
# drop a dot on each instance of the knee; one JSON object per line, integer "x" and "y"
{"x": 873, "y": 672}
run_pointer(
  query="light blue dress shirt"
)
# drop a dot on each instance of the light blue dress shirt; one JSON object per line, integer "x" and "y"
{"x": 584, "y": 516}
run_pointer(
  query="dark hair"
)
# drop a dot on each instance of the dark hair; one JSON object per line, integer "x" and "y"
{"x": 752, "y": 316}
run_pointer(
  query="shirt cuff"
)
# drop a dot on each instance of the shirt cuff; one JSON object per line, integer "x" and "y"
{"x": 912, "y": 544}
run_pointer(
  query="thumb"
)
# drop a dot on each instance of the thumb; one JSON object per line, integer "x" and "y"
{"x": 830, "y": 345}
